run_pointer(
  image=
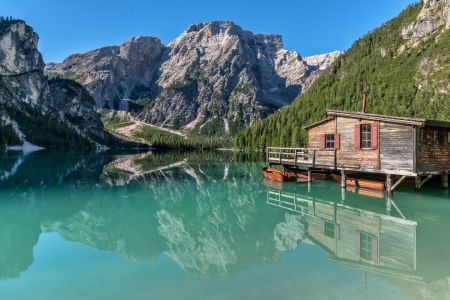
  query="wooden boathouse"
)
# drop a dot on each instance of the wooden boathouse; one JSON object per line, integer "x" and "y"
{"x": 358, "y": 143}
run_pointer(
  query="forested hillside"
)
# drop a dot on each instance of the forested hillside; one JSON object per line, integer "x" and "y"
{"x": 404, "y": 65}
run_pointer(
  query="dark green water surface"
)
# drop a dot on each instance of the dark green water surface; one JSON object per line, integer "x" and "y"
{"x": 206, "y": 225}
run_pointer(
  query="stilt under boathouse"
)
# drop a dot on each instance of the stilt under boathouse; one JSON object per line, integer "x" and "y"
{"x": 361, "y": 143}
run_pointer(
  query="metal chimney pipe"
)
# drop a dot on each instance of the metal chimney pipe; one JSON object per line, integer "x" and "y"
{"x": 364, "y": 101}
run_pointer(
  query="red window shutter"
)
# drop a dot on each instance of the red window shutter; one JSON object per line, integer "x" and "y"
{"x": 322, "y": 226}
{"x": 337, "y": 141}
{"x": 322, "y": 141}
{"x": 374, "y": 135}
{"x": 357, "y": 243}
{"x": 374, "y": 249}
{"x": 357, "y": 136}
{"x": 336, "y": 231}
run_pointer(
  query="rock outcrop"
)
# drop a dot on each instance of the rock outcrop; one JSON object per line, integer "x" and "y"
{"x": 212, "y": 70}
{"x": 77, "y": 105}
{"x": 21, "y": 67}
{"x": 434, "y": 14}
{"x": 433, "y": 20}
{"x": 25, "y": 90}
{"x": 114, "y": 73}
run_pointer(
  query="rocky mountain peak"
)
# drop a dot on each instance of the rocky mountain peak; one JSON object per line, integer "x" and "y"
{"x": 18, "y": 49}
{"x": 212, "y": 70}
{"x": 26, "y": 95}
{"x": 214, "y": 27}
{"x": 142, "y": 48}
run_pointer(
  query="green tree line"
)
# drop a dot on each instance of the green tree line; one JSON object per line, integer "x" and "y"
{"x": 163, "y": 139}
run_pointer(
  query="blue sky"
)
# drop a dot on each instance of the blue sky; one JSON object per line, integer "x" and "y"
{"x": 308, "y": 27}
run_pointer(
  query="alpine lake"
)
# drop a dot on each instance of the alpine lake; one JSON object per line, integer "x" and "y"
{"x": 207, "y": 225}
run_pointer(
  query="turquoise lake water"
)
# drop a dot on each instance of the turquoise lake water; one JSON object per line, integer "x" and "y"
{"x": 206, "y": 225}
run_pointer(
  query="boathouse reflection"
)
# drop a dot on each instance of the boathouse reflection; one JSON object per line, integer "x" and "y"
{"x": 413, "y": 258}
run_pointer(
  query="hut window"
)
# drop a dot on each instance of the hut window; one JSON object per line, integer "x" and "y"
{"x": 366, "y": 136}
{"x": 448, "y": 137}
{"x": 329, "y": 141}
{"x": 366, "y": 246}
{"x": 329, "y": 229}
{"x": 435, "y": 136}
{"x": 422, "y": 135}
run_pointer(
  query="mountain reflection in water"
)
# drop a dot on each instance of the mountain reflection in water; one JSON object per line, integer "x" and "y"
{"x": 214, "y": 216}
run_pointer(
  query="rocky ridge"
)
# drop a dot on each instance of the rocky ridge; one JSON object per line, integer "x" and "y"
{"x": 211, "y": 70}
{"x": 25, "y": 89}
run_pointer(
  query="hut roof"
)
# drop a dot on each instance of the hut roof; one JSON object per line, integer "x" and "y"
{"x": 384, "y": 118}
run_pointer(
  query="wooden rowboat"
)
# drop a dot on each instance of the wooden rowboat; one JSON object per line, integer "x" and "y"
{"x": 278, "y": 175}
{"x": 314, "y": 176}
{"x": 364, "y": 183}
{"x": 273, "y": 184}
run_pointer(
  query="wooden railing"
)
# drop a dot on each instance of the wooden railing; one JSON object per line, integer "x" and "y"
{"x": 302, "y": 156}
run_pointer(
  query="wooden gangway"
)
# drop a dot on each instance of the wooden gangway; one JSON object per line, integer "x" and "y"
{"x": 308, "y": 157}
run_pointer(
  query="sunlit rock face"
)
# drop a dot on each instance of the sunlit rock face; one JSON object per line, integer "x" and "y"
{"x": 116, "y": 72}
{"x": 23, "y": 86}
{"x": 213, "y": 69}
{"x": 75, "y": 103}
{"x": 21, "y": 67}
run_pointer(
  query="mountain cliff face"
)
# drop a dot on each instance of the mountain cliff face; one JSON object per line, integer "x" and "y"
{"x": 114, "y": 73}
{"x": 77, "y": 105}
{"x": 21, "y": 67}
{"x": 213, "y": 70}
{"x": 35, "y": 111}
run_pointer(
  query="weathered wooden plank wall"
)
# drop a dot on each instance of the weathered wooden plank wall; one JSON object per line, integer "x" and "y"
{"x": 315, "y": 133}
{"x": 325, "y": 211}
{"x": 314, "y": 231}
{"x": 398, "y": 244}
{"x": 347, "y": 155}
{"x": 396, "y": 147}
{"x": 350, "y": 221}
{"x": 433, "y": 156}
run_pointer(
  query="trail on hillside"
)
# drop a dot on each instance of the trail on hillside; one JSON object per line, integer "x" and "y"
{"x": 128, "y": 130}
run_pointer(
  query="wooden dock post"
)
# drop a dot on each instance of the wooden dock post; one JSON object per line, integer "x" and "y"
{"x": 417, "y": 183}
{"x": 343, "y": 195}
{"x": 309, "y": 175}
{"x": 444, "y": 177}
{"x": 344, "y": 179}
{"x": 389, "y": 185}
{"x": 365, "y": 280}
{"x": 388, "y": 205}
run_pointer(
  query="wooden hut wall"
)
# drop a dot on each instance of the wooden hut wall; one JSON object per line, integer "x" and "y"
{"x": 348, "y": 156}
{"x": 314, "y": 140}
{"x": 351, "y": 221}
{"x": 324, "y": 211}
{"x": 398, "y": 243}
{"x": 315, "y": 231}
{"x": 396, "y": 147}
{"x": 433, "y": 156}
